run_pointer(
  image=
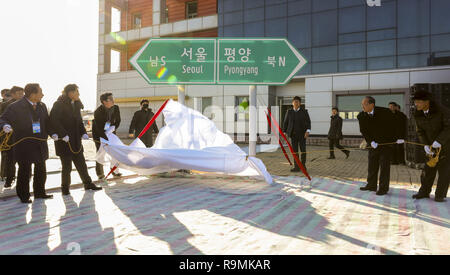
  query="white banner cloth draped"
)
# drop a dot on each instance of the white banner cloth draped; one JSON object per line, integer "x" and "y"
{"x": 188, "y": 141}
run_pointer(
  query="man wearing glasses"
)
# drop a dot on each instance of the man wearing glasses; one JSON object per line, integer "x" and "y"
{"x": 106, "y": 120}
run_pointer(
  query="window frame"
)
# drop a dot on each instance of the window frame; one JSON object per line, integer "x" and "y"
{"x": 193, "y": 15}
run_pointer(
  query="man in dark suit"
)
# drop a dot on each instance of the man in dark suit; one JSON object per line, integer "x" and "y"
{"x": 401, "y": 121}
{"x": 28, "y": 117}
{"x": 5, "y": 98}
{"x": 66, "y": 120}
{"x": 297, "y": 125}
{"x": 106, "y": 119}
{"x": 433, "y": 128}
{"x": 377, "y": 127}
{"x": 140, "y": 120}
{"x": 8, "y": 165}
{"x": 335, "y": 134}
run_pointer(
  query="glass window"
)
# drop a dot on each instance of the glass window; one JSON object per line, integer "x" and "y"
{"x": 415, "y": 60}
{"x": 382, "y": 17}
{"x": 352, "y": 37}
{"x": 354, "y": 65}
{"x": 352, "y": 19}
{"x": 232, "y": 5}
{"x": 321, "y": 5}
{"x": 276, "y": 11}
{"x": 324, "y": 67}
{"x": 351, "y": 51}
{"x": 249, "y": 4}
{"x": 306, "y": 70}
{"x": 115, "y": 20}
{"x": 242, "y": 110}
{"x": 380, "y": 63}
{"x": 381, "y": 48}
{"x": 206, "y": 102}
{"x": 325, "y": 28}
{"x": 164, "y": 12}
{"x": 324, "y": 54}
{"x": 350, "y": 105}
{"x": 276, "y": 27}
{"x": 350, "y": 3}
{"x": 254, "y": 29}
{"x": 299, "y": 7}
{"x": 232, "y": 18}
{"x": 413, "y": 18}
{"x": 440, "y": 43}
{"x": 252, "y": 15}
{"x": 414, "y": 45}
{"x": 439, "y": 14}
{"x": 381, "y": 35}
{"x": 191, "y": 9}
{"x": 274, "y": 2}
{"x": 235, "y": 30}
{"x": 115, "y": 61}
{"x": 137, "y": 21}
{"x": 299, "y": 30}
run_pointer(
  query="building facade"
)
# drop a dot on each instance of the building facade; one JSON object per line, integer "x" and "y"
{"x": 354, "y": 48}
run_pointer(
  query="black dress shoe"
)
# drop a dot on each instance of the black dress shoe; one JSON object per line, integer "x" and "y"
{"x": 382, "y": 193}
{"x": 419, "y": 196}
{"x": 92, "y": 186}
{"x": 439, "y": 199}
{"x": 296, "y": 169}
{"x": 45, "y": 196}
{"x": 26, "y": 201}
{"x": 65, "y": 192}
{"x": 117, "y": 175}
{"x": 331, "y": 157}
{"x": 367, "y": 188}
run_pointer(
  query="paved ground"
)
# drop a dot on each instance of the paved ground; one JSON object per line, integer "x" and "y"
{"x": 205, "y": 214}
{"x": 352, "y": 169}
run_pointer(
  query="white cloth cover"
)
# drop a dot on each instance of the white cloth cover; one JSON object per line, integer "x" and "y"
{"x": 188, "y": 141}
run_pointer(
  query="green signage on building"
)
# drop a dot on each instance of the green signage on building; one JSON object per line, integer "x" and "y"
{"x": 262, "y": 61}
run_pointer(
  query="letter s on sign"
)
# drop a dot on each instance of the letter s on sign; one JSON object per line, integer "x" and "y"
{"x": 372, "y": 3}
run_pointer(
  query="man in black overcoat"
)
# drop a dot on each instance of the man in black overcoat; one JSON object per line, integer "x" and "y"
{"x": 67, "y": 122}
{"x": 140, "y": 120}
{"x": 377, "y": 125}
{"x": 335, "y": 134}
{"x": 8, "y": 165}
{"x": 297, "y": 125}
{"x": 106, "y": 119}
{"x": 433, "y": 128}
{"x": 28, "y": 117}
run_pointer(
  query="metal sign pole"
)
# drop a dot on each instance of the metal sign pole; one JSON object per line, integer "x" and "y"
{"x": 181, "y": 94}
{"x": 253, "y": 126}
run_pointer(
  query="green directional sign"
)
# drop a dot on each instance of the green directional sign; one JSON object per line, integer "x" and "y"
{"x": 177, "y": 61}
{"x": 265, "y": 61}
{"x": 261, "y": 61}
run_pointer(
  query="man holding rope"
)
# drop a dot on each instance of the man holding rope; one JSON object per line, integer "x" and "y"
{"x": 28, "y": 121}
{"x": 378, "y": 129}
{"x": 8, "y": 164}
{"x": 433, "y": 129}
{"x": 66, "y": 121}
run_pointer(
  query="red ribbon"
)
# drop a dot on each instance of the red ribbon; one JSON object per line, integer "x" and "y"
{"x": 299, "y": 163}
{"x": 149, "y": 124}
{"x": 279, "y": 141}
